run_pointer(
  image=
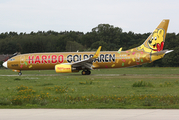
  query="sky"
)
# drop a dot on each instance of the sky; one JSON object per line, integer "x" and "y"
{"x": 138, "y": 16}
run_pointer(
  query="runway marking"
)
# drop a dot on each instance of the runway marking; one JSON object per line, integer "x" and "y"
{"x": 89, "y": 114}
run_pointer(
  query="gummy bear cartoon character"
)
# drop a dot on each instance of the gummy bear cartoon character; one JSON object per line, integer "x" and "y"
{"x": 144, "y": 48}
{"x": 156, "y": 41}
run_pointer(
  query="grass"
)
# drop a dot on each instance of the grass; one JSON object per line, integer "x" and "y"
{"x": 107, "y": 88}
{"x": 142, "y": 84}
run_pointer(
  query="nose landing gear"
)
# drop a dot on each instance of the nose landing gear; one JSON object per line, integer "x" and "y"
{"x": 19, "y": 73}
{"x": 86, "y": 72}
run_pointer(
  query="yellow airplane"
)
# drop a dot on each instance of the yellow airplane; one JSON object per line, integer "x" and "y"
{"x": 68, "y": 62}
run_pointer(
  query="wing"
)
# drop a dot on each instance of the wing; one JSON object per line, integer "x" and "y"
{"x": 86, "y": 63}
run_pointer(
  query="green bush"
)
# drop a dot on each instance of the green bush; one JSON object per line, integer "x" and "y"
{"x": 142, "y": 84}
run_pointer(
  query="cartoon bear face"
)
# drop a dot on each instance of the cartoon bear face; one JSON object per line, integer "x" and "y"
{"x": 156, "y": 41}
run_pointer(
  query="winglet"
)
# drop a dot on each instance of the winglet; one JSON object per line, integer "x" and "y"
{"x": 97, "y": 53}
{"x": 120, "y": 49}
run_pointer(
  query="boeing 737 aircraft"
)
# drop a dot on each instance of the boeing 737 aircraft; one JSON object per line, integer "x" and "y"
{"x": 68, "y": 62}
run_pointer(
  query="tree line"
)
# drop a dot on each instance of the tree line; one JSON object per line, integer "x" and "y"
{"x": 109, "y": 37}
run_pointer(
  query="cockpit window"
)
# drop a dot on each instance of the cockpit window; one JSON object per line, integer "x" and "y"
{"x": 11, "y": 59}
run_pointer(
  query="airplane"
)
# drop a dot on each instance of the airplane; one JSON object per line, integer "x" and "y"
{"x": 69, "y": 62}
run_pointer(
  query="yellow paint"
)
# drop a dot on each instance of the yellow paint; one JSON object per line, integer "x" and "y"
{"x": 30, "y": 66}
{"x": 113, "y": 65}
{"x": 129, "y": 62}
{"x": 132, "y": 50}
{"x": 146, "y": 58}
{"x": 133, "y": 59}
{"x": 62, "y": 68}
{"x": 156, "y": 57}
{"x": 156, "y": 39}
{"x": 143, "y": 56}
{"x": 97, "y": 53}
{"x": 117, "y": 60}
{"x": 120, "y": 49}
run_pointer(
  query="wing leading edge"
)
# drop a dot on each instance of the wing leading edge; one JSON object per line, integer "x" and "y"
{"x": 86, "y": 63}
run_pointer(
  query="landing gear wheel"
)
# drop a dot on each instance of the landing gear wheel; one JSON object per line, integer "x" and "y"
{"x": 83, "y": 72}
{"x": 19, "y": 73}
{"x": 86, "y": 72}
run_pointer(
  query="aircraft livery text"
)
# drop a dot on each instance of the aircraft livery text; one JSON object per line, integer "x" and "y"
{"x": 70, "y": 58}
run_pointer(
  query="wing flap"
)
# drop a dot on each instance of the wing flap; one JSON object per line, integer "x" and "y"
{"x": 86, "y": 63}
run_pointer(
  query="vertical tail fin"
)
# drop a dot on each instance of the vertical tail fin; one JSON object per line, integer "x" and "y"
{"x": 155, "y": 42}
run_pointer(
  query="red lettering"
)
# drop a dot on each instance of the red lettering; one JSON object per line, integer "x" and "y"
{"x": 31, "y": 60}
{"x": 60, "y": 58}
{"x": 37, "y": 59}
{"x": 44, "y": 57}
{"x": 63, "y": 68}
{"x": 49, "y": 59}
{"x": 54, "y": 59}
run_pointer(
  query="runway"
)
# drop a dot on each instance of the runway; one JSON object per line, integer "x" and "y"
{"x": 89, "y": 114}
{"x": 64, "y": 75}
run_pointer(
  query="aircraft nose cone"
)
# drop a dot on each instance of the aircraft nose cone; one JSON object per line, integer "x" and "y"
{"x": 5, "y": 64}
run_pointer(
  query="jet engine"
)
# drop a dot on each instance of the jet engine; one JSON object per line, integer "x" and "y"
{"x": 62, "y": 68}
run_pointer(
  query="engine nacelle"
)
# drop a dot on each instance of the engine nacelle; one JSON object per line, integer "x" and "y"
{"x": 62, "y": 68}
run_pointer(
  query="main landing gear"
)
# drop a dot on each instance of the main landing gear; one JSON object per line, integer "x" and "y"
{"x": 19, "y": 73}
{"x": 86, "y": 72}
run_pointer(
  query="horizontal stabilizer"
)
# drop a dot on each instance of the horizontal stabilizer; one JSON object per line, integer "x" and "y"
{"x": 162, "y": 52}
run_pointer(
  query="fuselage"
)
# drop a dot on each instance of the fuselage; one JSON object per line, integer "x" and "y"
{"x": 106, "y": 59}
{"x": 67, "y": 62}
